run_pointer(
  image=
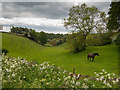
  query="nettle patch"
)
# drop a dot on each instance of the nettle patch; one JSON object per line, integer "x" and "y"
{"x": 19, "y": 73}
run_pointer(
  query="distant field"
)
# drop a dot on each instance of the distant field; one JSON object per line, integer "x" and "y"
{"x": 58, "y": 55}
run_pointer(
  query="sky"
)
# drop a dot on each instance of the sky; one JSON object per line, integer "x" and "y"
{"x": 42, "y": 15}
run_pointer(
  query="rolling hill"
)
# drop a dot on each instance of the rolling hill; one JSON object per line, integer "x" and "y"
{"x": 58, "y": 55}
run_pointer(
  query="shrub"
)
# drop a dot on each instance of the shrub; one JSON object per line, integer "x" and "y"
{"x": 105, "y": 38}
{"x": 76, "y": 42}
{"x": 5, "y": 51}
{"x": 26, "y": 35}
{"x": 117, "y": 40}
{"x": 98, "y": 39}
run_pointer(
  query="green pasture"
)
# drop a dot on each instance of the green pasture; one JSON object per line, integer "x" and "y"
{"x": 60, "y": 56}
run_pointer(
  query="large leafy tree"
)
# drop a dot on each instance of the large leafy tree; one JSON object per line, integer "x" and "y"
{"x": 83, "y": 19}
{"x": 42, "y": 38}
{"x": 114, "y": 16}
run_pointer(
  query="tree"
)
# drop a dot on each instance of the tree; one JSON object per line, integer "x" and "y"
{"x": 34, "y": 35}
{"x": 101, "y": 24}
{"x": 42, "y": 38}
{"x": 114, "y": 17}
{"x": 83, "y": 19}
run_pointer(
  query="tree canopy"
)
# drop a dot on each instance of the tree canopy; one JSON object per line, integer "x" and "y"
{"x": 83, "y": 19}
{"x": 42, "y": 38}
{"x": 114, "y": 16}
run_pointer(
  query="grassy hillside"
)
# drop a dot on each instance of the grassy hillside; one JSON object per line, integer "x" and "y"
{"x": 23, "y": 47}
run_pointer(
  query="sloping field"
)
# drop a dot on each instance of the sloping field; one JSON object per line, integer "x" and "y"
{"x": 23, "y": 47}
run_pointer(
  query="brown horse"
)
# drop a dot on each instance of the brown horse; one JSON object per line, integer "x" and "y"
{"x": 92, "y": 56}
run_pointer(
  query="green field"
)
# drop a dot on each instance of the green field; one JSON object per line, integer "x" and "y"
{"x": 60, "y": 56}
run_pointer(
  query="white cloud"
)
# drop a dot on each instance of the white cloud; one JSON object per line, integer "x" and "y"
{"x": 0, "y": 9}
{"x": 39, "y": 24}
{"x": 56, "y": 0}
{"x": 42, "y": 16}
{"x": 33, "y": 21}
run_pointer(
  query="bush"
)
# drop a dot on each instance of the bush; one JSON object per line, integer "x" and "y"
{"x": 117, "y": 40}
{"x": 98, "y": 39}
{"x": 76, "y": 42}
{"x": 5, "y": 51}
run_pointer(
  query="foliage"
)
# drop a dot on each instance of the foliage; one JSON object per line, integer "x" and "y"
{"x": 34, "y": 35}
{"x": 19, "y": 30}
{"x": 114, "y": 16}
{"x": 42, "y": 38}
{"x": 84, "y": 19}
{"x": 57, "y": 41}
{"x": 52, "y": 36}
{"x": 117, "y": 40}
{"x": 5, "y": 51}
{"x": 19, "y": 73}
{"x": 98, "y": 39}
{"x": 101, "y": 24}
{"x": 109, "y": 80}
{"x": 75, "y": 42}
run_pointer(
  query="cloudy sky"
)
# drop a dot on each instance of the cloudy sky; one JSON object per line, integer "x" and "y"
{"x": 41, "y": 16}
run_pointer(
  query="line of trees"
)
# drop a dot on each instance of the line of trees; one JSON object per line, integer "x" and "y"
{"x": 39, "y": 37}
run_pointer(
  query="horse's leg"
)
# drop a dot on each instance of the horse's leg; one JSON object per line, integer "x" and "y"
{"x": 93, "y": 59}
{"x": 90, "y": 59}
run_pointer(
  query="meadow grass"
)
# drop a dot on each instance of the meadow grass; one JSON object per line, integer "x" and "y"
{"x": 60, "y": 56}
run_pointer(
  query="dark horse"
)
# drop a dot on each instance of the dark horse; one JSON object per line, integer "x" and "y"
{"x": 92, "y": 56}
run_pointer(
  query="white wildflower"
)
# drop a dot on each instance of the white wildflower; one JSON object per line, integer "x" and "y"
{"x": 102, "y": 77}
{"x": 13, "y": 66}
{"x": 93, "y": 85}
{"x": 117, "y": 80}
{"x": 84, "y": 86}
{"x": 7, "y": 70}
{"x": 77, "y": 83}
{"x": 58, "y": 67}
{"x": 68, "y": 77}
{"x": 113, "y": 74}
{"x": 108, "y": 74}
{"x": 108, "y": 84}
{"x": 85, "y": 79}
{"x": 74, "y": 76}
{"x": 73, "y": 82}
{"x": 109, "y": 77}
{"x": 103, "y": 70}
{"x": 42, "y": 80}
{"x": 13, "y": 75}
{"x": 65, "y": 78}
{"x": 97, "y": 75}
{"x": 114, "y": 81}
{"x": 101, "y": 73}
{"x": 104, "y": 82}
{"x": 97, "y": 79}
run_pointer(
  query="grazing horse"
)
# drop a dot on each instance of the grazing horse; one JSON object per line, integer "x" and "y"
{"x": 92, "y": 56}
